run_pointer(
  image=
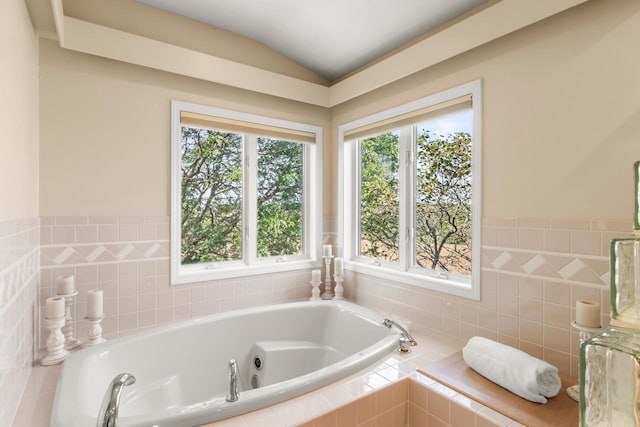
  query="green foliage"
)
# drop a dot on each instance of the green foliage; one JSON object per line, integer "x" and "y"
{"x": 443, "y": 202}
{"x": 280, "y": 197}
{"x": 379, "y": 215}
{"x": 211, "y": 196}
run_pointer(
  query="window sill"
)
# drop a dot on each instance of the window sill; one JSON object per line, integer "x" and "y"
{"x": 199, "y": 273}
{"x": 447, "y": 286}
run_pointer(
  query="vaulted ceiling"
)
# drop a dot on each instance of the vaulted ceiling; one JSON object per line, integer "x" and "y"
{"x": 329, "y": 37}
{"x": 321, "y": 52}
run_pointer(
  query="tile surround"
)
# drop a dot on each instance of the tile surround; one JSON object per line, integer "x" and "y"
{"x": 128, "y": 258}
{"x": 19, "y": 276}
{"x": 533, "y": 271}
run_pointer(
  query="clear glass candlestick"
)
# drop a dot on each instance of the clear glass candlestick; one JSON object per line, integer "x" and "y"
{"x": 70, "y": 341}
{"x": 328, "y": 292}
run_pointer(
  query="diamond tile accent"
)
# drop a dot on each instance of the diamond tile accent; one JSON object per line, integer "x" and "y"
{"x": 571, "y": 269}
{"x": 63, "y": 256}
{"x": 533, "y": 264}
{"x": 501, "y": 260}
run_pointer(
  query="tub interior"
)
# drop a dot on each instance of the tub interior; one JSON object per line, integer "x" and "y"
{"x": 186, "y": 369}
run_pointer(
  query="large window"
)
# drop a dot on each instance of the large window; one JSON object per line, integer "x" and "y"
{"x": 245, "y": 194}
{"x": 410, "y": 178}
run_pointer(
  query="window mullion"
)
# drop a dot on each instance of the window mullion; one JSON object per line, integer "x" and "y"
{"x": 250, "y": 199}
{"x": 405, "y": 153}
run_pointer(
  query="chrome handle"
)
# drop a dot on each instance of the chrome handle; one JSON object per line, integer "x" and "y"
{"x": 108, "y": 415}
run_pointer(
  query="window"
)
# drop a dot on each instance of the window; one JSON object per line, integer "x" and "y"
{"x": 246, "y": 194}
{"x": 411, "y": 181}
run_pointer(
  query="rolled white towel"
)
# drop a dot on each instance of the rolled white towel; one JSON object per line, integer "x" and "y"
{"x": 528, "y": 377}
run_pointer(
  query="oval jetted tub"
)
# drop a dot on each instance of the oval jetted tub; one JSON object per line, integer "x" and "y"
{"x": 182, "y": 371}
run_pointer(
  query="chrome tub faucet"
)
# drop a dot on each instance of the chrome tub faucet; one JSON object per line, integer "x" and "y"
{"x": 108, "y": 415}
{"x": 233, "y": 381}
{"x": 406, "y": 341}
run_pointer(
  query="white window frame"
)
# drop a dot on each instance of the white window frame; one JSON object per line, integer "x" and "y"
{"x": 348, "y": 215}
{"x": 250, "y": 263}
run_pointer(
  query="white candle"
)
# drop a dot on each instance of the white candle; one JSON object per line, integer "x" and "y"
{"x": 66, "y": 285}
{"x": 54, "y": 308}
{"x": 94, "y": 304}
{"x": 326, "y": 250}
{"x": 588, "y": 313}
{"x": 315, "y": 275}
{"x": 338, "y": 269}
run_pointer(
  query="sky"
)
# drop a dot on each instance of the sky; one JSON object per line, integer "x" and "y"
{"x": 461, "y": 121}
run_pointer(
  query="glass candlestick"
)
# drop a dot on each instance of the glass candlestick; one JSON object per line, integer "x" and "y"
{"x": 70, "y": 341}
{"x": 328, "y": 293}
{"x": 339, "y": 289}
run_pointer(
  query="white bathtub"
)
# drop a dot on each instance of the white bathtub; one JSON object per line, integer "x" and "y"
{"x": 182, "y": 370}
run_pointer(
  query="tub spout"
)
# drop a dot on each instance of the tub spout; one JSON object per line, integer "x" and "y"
{"x": 406, "y": 341}
{"x": 233, "y": 381}
{"x": 108, "y": 415}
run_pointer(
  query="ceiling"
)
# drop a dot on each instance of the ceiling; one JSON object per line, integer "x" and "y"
{"x": 330, "y": 37}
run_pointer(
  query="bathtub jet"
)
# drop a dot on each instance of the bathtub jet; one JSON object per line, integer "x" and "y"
{"x": 224, "y": 365}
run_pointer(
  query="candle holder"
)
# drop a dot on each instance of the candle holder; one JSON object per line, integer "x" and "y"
{"x": 339, "y": 289}
{"x": 70, "y": 341}
{"x": 328, "y": 293}
{"x": 315, "y": 290}
{"x": 55, "y": 343}
{"x": 95, "y": 332}
{"x": 585, "y": 333}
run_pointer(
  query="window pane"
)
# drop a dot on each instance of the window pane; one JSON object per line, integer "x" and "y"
{"x": 443, "y": 193}
{"x": 211, "y": 196}
{"x": 379, "y": 217}
{"x": 280, "y": 197}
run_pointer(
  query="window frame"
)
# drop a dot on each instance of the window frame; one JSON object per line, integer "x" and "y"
{"x": 250, "y": 264}
{"x": 348, "y": 200}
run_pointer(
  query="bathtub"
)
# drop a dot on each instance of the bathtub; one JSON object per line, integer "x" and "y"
{"x": 182, "y": 370}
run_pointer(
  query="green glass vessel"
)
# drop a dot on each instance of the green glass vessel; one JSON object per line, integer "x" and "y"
{"x": 610, "y": 379}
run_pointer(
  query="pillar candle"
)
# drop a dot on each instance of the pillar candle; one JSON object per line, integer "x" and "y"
{"x": 338, "y": 269}
{"x": 326, "y": 250}
{"x": 588, "y": 313}
{"x": 315, "y": 275}
{"x": 94, "y": 304}
{"x": 54, "y": 308}
{"x": 66, "y": 285}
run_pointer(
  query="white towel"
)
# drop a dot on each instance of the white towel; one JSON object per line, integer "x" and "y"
{"x": 530, "y": 378}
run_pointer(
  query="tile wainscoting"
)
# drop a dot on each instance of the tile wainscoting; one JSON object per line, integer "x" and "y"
{"x": 128, "y": 258}
{"x": 533, "y": 271}
{"x": 19, "y": 276}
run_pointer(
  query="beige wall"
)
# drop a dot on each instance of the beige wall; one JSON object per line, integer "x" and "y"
{"x": 561, "y": 112}
{"x": 561, "y": 120}
{"x": 105, "y": 131}
{"x": 18, "y": 113}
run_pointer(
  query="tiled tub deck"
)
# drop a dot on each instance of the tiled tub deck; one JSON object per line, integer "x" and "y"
{"x": 388, "y": 394}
